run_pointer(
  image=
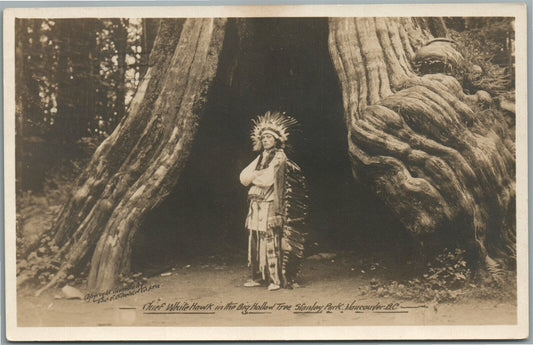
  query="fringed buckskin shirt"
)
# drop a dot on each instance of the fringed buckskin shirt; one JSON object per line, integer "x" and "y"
{"x": 263, "y": 194}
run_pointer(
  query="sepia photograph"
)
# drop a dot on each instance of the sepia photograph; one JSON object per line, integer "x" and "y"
{"x": 266, "y": 172}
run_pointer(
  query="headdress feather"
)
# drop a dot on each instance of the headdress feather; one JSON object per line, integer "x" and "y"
{"x": 276, "y": 122}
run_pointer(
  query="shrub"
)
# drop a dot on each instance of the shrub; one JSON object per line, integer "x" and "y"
{"x": 443, "y": 280}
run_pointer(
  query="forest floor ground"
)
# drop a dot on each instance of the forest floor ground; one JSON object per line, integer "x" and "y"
{"x": 323, "y": 282}
{"x": 338, "y": 288}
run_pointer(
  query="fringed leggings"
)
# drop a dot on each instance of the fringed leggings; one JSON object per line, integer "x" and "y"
{"x": 264, "y": 256}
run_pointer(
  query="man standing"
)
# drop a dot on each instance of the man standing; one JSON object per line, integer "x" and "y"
{"x": 277, "y": 206}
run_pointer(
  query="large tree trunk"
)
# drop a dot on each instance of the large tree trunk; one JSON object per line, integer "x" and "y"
{"x": 23, "y": 98}
{"x": 441, "y": 161}
{"x": 134, "y": 169}
{"x": 75, "y": 85}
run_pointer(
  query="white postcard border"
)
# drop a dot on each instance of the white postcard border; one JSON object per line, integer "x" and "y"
{"x": 520, "y": 330}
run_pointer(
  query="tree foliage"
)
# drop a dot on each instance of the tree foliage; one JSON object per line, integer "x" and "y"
{"x": 487, "y": 44}
{"x": 75, "y": 79}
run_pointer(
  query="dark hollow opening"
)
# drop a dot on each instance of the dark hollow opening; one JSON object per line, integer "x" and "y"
{"x": 268, "y": 64}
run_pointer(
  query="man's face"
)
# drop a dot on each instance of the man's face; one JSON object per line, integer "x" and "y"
{"x": 268, "y": 141}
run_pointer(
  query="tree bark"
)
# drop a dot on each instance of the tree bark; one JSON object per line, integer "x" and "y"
{"x": 441, "y": 160}
{"x": 134, "y": 169}
{"x": 148, "y": 36}
{"x": 75, "y": 87}
{"x": 121, "y": 40}
{"x": 23, "y": 101}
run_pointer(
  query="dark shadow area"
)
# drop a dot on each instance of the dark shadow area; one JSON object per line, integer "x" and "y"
{"x": 269, "y": 64}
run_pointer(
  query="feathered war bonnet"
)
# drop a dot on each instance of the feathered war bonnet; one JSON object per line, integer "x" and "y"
{"x": 275, "y": 123}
